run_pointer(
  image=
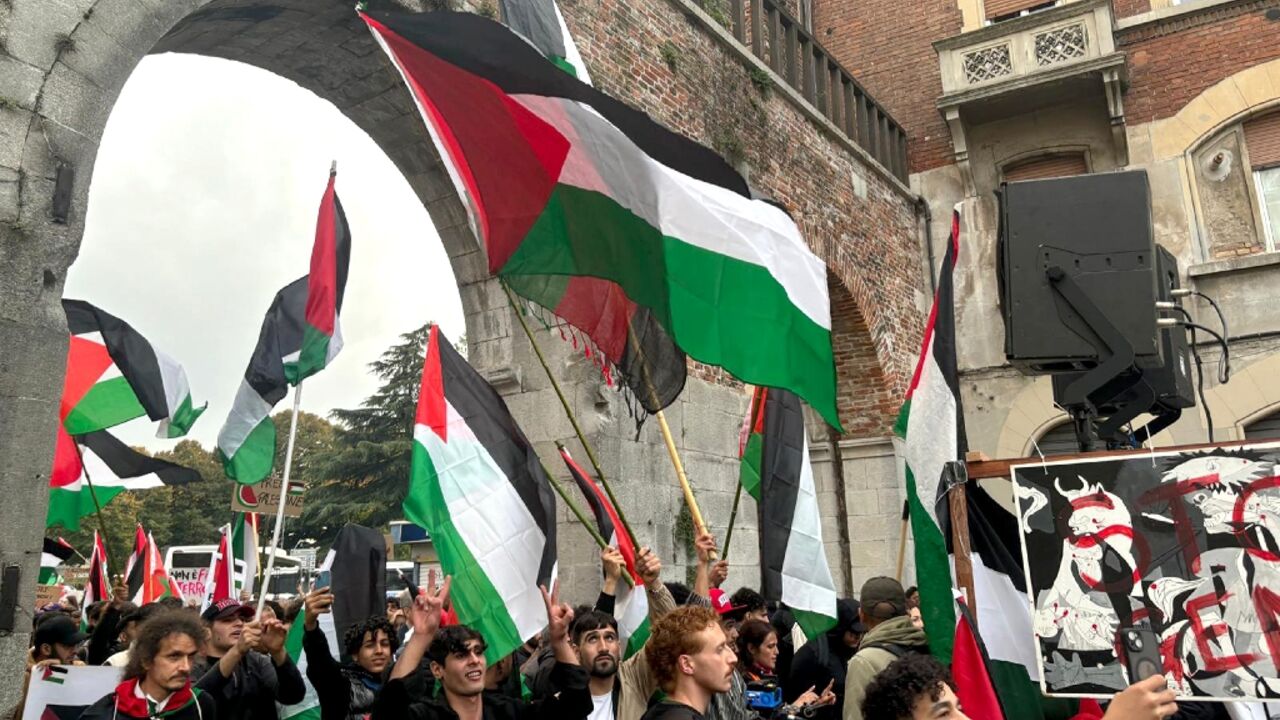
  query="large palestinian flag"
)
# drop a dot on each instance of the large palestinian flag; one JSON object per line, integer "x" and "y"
{"x": 631, "y": 604}
{"x": 247, "y": 442}
{"x": 561, "y": 181}
{"x": 111, "y": 466}
{"x": 777, "y": 473}
{"x": 114, "y": 375}
{"x": 931, "y": 424}
{"x": 326, "y": 283}
{"x": 55, "y": 553}
{"x": 479, "y": 489}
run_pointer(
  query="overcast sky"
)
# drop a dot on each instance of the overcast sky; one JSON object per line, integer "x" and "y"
{"x": 203, "y": 205}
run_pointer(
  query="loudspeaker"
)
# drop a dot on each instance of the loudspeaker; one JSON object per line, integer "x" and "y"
{"x": 1098, "y": 230}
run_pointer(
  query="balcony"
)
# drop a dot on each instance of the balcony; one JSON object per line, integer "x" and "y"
{"x": 1027, "y": 63}
{"x": 782, "y": 43}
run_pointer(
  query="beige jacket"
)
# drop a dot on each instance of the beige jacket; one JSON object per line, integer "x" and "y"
{"x": 637, "y": 682}
{"x": 867, "y": 663}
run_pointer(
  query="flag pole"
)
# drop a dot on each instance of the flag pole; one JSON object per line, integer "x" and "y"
{"x": 733, "y": 515}
{"x": 752, "y": 409}
{"x": 284, "y": 495}
{"x": 573, "y": 420}
{"x": 582, "y": 517}
{"x": 902, "y": 538}
{"x": 97, "y": 507}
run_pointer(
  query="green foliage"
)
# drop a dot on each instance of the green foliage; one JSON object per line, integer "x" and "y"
{"x": 719, "y": 11}
{"x": 487, "y": 9}
{"x": 670, "y": 54}
{"x": 761, "y": 79}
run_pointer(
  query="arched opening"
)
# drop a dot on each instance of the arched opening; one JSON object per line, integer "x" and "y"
{"x": 866, "y": 403}
{"x": 1265, "y": 428}
{"x": 1059, "y": 439}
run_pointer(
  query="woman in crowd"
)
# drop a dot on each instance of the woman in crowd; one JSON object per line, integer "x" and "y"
{"x": 757, "y": 647}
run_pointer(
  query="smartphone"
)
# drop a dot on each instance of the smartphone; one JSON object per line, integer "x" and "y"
{"x": 324, "y": 579}
{"x": 408, "y": 581}
{"x": 1141, "y": 653}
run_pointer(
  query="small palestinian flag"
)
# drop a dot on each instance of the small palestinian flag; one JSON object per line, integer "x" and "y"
{"x": 792, "y": 555}
{"x": 111, "y": 466}
{"x": 221, "y": 584}
{"x": 561, "y": 181}
{"x": 156, "y": 581}
{"x": 631, "y": 604}
{"x": 326, "y": 283}
{"x": 55, "y": 553}
{"x": 479, "y": 489}
{"x": 98, "y": 585}
{"x": 244, "y": 547}
{"x": 134, "y": 567}
{"x": 541, "y": 23}
{"x": 114, "y": 375}
{"x": 931, "y": 424}
{"x": 247, "y": 442}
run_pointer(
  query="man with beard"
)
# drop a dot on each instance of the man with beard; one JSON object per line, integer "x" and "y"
{"x": 595, "y": 637}
{"x": 245, "y": 667}
{"x": 157, "y": 679}
{"x": 458, "y": 664}
{"x": 346, "y": 690}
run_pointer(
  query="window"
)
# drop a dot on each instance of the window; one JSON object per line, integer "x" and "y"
{"x": 1265, "y": 428}
{"x": 999, "y": 10}
{"x": 1262, "y": 140}
{"x": 1051, "y": 166}
{"x": 1058, "y": 440}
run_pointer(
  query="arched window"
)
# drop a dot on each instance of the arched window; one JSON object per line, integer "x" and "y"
{"x": 1047, "y": 166}
{"x": 1264, "y": 428}
{"x": 1058, "y": 440}
{"x": 1262, "y": 142}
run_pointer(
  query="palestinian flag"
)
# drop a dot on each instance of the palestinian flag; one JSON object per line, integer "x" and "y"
{"x": 247, "y": 442}
{"x": 114, "y": 375}
{"x": 55, "y": 553}
{"x": 156, "y": 582}
{"x": 631, "y": 603}
{"x": 970, "y": 668}
{"x": 134, "y": 568}
{"x": 111, "y": 466}
{"x": 98, "y": 585}
{"x": 221, "y": 583}
{"x": 326, "y": 283}
{"x": 931, "y": 424}
{"x": 792, "y": 554}
{"x": 309, "y": 708}
{"x": 244, "y": 547}
{"x": 561, "y": 181}
{"x": 541, "y": 23}
{"x": 479, "y": 489}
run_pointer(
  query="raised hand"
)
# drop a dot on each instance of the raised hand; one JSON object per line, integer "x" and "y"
{"x": 705, "y": 545}
{"x": 559, "y": 615}
{"x": 649, "y": 565}
{"x": 317, "y": 603}
{"x": 1149, "y": 699}
{"x": 250, "y": 636}
{"x": 613, "y": 562}
{"x": 424, "y": 614}
{"x": 719, "y": 572}
{"x": 272, "y": 639}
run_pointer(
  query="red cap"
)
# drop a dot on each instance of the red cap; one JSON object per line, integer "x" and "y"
{"x": 720, "y": 602}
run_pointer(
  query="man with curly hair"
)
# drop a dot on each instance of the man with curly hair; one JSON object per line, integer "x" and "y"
{"x": 691, "y": 657}
{"x": 347, "y": 689}
{"x": 157, "y": 678}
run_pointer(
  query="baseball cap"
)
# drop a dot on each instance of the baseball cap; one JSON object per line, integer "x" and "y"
{"x": 721, "y": 604}
{"x": 227, "y": 608}
{"x": 883, "y": 598}
{"x": 847, "y": 617}
{"x": 58, "y": 629}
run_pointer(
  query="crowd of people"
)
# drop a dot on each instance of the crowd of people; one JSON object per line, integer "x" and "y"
{"x": 710, "y": 655}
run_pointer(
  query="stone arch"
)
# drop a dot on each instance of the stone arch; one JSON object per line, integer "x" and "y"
{"x": 1244, "y": 93}
{"x": 1251, "y": 395}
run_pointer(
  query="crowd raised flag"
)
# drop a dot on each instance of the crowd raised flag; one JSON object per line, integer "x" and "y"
{"x": 478, "y": 488}
{"x": 244, "y": 547}
{"x": 561, "y": 181}
{"x": 300, "y": 335}
{"x": 55, "y": 553}
{"x": 98, "y": 585}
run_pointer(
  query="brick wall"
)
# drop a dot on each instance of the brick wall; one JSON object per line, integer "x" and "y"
{"x": 1129, "y": 8}
{"x": 1172, "y": 62}
{"x": 654, "y": 56}
{"x": 866, "y": 404}
{"x": 887, "y": 46}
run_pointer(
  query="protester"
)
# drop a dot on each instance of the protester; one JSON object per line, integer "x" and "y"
{"x": 54, "y": 642}
{"x": 272, "y": 610}
{"x": 757, "y": 651}
{"x": 732, "y": 704}
{"x": 913, "y": 597}
{"x": 246, "y": 683}
{"x": 349, "y": 689}
{"x": 692, "y": 661}
{"x": 458, "y": 666}
{"x": 132, "y": 623}
{"x": 157, "y": 679}
{"x": 890, "y": 635}
{"x": 825, "y": 659}
{"x": 752, "y": 604}
{"x": 112, "y": 632}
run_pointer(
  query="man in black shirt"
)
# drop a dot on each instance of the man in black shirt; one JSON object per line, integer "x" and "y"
{"x": 691, "y": 657}
{"x": 245, "y": 667}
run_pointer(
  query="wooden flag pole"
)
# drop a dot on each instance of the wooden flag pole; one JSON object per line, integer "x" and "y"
{"x": 958, "y": 478}
{"x": 97, "y": 507}
{"x": 902, "y": 538}
{"x": 582, "y": 517}
{"x": 568, "y": 411}
{"x": 733, "y": 515}
{"x": 284, "y": 495}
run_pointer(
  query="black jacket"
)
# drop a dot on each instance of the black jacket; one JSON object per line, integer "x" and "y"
{"x": 405, "y": 699}
{"x": 816, "y": 663}
{"x": 344, "y": 690}
{"x": 202, "y": 707}
{"x": 254, "y": 688}
{"x": 668, "y": 710}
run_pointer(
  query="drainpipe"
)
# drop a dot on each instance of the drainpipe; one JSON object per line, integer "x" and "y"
{"x": 922, "y": 209}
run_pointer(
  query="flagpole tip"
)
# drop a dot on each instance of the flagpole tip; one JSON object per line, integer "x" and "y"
{"x": 333, "y": 168}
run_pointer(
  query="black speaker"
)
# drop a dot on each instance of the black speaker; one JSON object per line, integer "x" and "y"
{"x": 1097, "y": 230}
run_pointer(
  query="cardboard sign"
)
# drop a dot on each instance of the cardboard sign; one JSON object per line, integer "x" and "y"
{"x": 1182, "y": 549}
{"x": 62, "y": 691}
{"x": 191, "y": 582}
{"x": 47, "y": 594}
{"x": 265, "y": 498}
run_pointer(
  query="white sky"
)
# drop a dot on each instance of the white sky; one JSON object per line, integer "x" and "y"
{"x": 203, "y": 205}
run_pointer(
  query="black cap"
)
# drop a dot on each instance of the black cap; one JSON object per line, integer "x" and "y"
{"x": 226, "y": 608}
{"x": 58, "y": 629}
{"x": 884, "y": 598}
{"x": 847, "y": 618}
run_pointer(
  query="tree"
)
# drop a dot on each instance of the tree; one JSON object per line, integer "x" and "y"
{"x": 366, "y": 471}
